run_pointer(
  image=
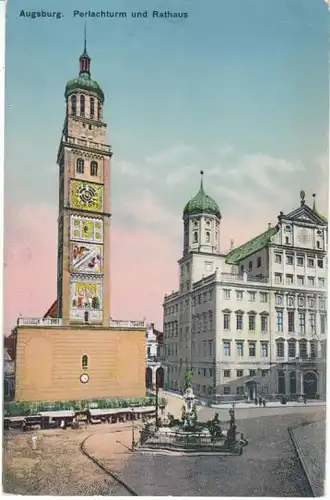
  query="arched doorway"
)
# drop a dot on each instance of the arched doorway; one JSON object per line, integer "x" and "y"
{"x": 160, "y": 377}
{"x": 148, "y": 377}
{"x": 281, "y": 382}
{"x": 310, "y": 384}
{"x": 293, "y": 383}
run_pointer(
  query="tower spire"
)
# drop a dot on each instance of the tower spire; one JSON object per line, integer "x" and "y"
{"x": 314, "y": 202}
{"x": 85, "y": 40}
{"x": 202, "y": 173}
{"x": 84, "y": 60}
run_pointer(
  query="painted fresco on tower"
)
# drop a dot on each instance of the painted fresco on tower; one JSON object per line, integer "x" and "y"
{"x": 86, "y": 258}
{"x": 86, "y": 295}
{"x": 86, "y": 196}
{"x": 86, "y": 229}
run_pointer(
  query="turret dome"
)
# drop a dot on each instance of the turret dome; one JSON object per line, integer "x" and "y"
{"x": 201, "y": 203}
{"x": 84, "y": 80}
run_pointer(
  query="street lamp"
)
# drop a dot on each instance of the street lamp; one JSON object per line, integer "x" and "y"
{"x": 133, "y": 418}
{"x": 157, "y": 389}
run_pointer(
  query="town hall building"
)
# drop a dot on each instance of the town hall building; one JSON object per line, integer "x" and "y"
{"x": 253, "y": 321}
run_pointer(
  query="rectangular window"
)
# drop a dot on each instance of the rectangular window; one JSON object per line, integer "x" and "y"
{"x": 226, "y": 321}
{"x": 239, "y": 295}
{"x": 252, "y": 349}
{"x": 264, "y": 373}
{"x": 239, "y": 348}
{"x": 320, "y": 263}
{"x": 321, "y": 282}
{"x": 226, "y": 294}
{"x": 291, "y": 321}
{"x": 300, "y": 261}
{"x": 303, "y": 349}
{"x": 323, "y": 323}
{"x": 252, "y": 296}
{"x": 313, "y": 350}
{"x": 239, "y": 321}
{"x": 204, "y": 297}
{"x": 302, "y": 322}
{"x": 279, "y": 321}
{"x": 239, "y": 373}
{"x": 226, "y": 390}
{"x": 280, "y": 349}
{"x": 300, "y": 280}
{"x": 210, "y": 295}
{"x": 289, "y": 279}
{"x": 252, "y": 373}
{"x": 310, "y": 262}
{"x": 226, "y": 348}
{"x": 289, "y": 259}
{"x": 278, "y": 258}
{"x": 210, "y": 347}
{"x": 312, "y": 323}
{"x": 311, "y": 281}
{"x": 264, "y": 349}
{"x": 240, "y": 391}
{"x": 252, "y": 322}
{"x": 292, "y": 349}
{"x": 263, "y": 297}
{"x": 226, "y": 373}
{"x": 264, "y": 323}
{"x": 278, "y": 278}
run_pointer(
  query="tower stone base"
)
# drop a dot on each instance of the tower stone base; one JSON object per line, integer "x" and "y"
{"x": 51, "y": 363}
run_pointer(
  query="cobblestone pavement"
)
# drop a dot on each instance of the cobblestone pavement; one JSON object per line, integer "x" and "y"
{"x": 311, "y": 443}
{"x": 268, "y": 467}
{"x": 57, "y": 467}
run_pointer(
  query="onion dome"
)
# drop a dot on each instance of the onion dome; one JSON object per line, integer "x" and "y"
{"x": 84, "y": 80}
{"x": 202, "y": 203}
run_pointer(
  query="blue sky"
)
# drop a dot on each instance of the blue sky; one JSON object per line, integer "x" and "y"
{"x": 239, "y": 89}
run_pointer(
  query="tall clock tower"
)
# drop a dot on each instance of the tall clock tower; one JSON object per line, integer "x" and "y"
{"x": 83, "y": 283}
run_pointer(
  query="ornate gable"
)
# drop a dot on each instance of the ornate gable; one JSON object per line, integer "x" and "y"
{"x": 305, "y": 214}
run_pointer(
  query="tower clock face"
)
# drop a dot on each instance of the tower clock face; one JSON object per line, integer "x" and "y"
{"x": 86, "y": 196}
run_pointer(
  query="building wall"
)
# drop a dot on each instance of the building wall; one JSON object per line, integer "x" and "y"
{"x": 49, "y": 363}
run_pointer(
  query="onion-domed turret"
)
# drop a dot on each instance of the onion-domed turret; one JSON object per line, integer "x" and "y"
{"x": 201, "y": 203}
{"x": 84, "y": 81}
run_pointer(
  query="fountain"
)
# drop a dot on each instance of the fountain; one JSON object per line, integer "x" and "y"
{"x": 190, "y": 435}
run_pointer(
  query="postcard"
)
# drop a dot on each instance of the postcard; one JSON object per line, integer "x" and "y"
{"x": 165, "y": 247}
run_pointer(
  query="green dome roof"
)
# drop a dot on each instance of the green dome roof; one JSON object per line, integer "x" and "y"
{"x": 84, "y": 82}
{"x": 202, "y": 203}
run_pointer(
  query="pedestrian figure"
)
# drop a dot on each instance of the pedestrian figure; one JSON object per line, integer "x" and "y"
{"x": 260, "y": 400}
{"x": 305, "y": 399}
{"x": 264, "y": 402}
{"x": 255, "y": 401}
{"x": 34, "y": 441}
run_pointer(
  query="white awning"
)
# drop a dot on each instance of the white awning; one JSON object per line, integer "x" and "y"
{"x": 57, "y": 414}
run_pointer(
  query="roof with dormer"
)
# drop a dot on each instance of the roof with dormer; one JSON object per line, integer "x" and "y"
{"x": 251, "y": 246}
{"x": 202, "y": 203}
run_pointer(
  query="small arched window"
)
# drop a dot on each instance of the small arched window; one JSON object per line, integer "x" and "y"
{"x": 259, "y": 262}
{"x": 84, "y": 362}
{"x": 99, "y": 110}
{"x": 195, "y": 237}
{"x": 287, "y": 240}
{"x": 80, "y": 166}
{"x": 94, "y": 168}
{"x": 82, "y": 105}
{"x": 318, "y": 244}
{"x": 74, "y": 105}
{"x": 92, "y": 111}
{"x": 208, "y": 237}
